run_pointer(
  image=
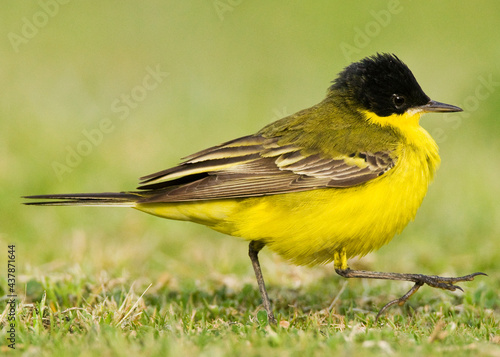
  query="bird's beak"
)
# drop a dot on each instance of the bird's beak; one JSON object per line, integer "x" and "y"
{"x": 437, "y": 107}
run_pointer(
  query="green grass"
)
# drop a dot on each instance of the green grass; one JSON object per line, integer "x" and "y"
{"x": 81, "y": 272}
{"x": 75, "y": 312}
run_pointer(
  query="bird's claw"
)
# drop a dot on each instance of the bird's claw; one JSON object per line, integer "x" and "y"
{"x": 433, "y": 281}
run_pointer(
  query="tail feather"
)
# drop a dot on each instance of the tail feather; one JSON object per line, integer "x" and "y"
{"x": 115, "y": 199}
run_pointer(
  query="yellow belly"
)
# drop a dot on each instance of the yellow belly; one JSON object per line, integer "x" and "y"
{"x": 307, "y": 228}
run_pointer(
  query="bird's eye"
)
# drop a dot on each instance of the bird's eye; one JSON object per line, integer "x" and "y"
{"x": 398, "y": 101}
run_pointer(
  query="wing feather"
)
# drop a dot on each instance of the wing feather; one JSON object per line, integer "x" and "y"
{"x": 257, "y": 166}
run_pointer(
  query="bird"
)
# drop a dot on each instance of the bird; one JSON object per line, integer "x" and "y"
{"x": 328, "y": 183}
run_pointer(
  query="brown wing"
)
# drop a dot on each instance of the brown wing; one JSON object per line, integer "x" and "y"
{"x": 257, "y": 166}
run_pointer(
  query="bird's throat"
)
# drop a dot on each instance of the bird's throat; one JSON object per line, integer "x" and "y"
{"x": 409, "y": 119}
{"x": 407, "y": 124}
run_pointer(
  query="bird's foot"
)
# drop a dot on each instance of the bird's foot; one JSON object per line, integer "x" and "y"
{"x": 445, "y": 283}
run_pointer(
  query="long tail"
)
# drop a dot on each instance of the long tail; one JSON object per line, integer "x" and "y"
{"x": 113, "y": 199}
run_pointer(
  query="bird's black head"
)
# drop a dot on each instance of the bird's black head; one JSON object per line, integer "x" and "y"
{"x": 382, "y": 84}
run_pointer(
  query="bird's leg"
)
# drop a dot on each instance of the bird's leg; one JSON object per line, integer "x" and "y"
{"x": 341, "y": 267}
{"x": 253, "y": 252}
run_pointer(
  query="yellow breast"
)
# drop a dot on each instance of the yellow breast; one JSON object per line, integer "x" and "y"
{"x": 308, "y": 227}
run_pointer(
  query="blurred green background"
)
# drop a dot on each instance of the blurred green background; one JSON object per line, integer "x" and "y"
{"x": 227, "y": 68}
